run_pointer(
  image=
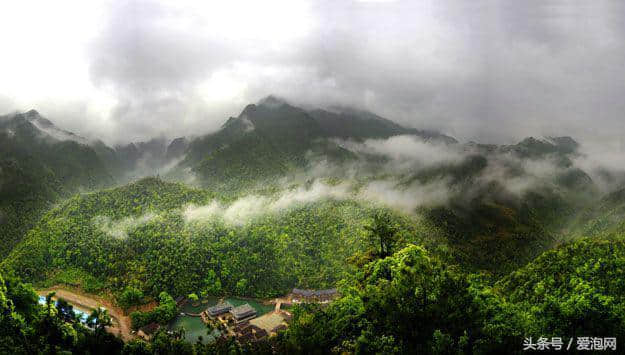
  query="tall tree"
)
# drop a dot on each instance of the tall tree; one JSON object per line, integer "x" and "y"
{"x": 99, "y": 319}
{"x": 382, "y": 232}
{"x": 65, "y": 311}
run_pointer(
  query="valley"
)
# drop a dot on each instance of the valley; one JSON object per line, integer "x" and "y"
{"x": 312, "y": 177}
{"x": 450, "y": 238}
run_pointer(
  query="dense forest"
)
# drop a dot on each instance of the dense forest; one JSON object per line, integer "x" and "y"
{"x": 413, "y": 302}
{"x": 138, "y": 235}
{"x": 441, "y": 248}
{"x": 36, "y": 170}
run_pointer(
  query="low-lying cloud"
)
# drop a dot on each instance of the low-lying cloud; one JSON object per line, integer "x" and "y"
{"x": 388, "y": 193}
{"x": 379, "y": 192}
{"x": 119, "y": 229}
{"x": 407, "y": 149}
{"x": 414, "y": 174}
{"x": 249, "y": 207}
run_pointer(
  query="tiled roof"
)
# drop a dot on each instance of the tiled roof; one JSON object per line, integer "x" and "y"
{"x": 311, "y": 293}
{"x": 150, "y": 328}
{"x": 219, "y": 308}
{"x": 243, "y": 311}
{"x": 246, "y": 338}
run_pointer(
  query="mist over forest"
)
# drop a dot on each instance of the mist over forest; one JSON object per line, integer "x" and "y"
{"x": 311, "y": 177}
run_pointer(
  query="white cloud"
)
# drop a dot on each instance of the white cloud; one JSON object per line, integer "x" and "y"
{"x": 119, "y": 228}
{"x": 485, "y": 70}
{"x": 246, "y": 208}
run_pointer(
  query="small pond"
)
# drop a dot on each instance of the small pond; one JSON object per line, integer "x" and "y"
{"x": 194, "y": 328}
{"x": 81, "y": 313}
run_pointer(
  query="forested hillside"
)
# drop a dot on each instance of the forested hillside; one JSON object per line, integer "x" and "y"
{"x": 273, "y": 139}
{"x": 145, "y": 235}
{"x": 312, "y": 177}
{"x": 42, "y": 164}
{"x": 436, "y": 246}
{"x": 412, "y": 302}
{"x": 37, "y": 167}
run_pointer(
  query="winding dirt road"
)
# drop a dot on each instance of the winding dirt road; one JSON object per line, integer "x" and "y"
{"x": 121, "y": 322}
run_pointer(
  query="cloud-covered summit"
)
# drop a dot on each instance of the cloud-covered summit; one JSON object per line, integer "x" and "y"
{"x": 490, "y": 71}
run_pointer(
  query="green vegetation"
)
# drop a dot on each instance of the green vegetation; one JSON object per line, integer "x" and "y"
{"x": 577, "y": 288}
{"x": 26, "y": 327}
{"x": 397, "y": 297}
{"x": 406, "y": 303}
{"x": 382, "y": 233}
{"x": 163, "y": 313}
{"x": 263, "y": 143}
{"x": 35, "y": 171}
{"x": 308, "y": 245}
{"x": 29, "y": 328}
{"x": 131, "y": 296}
{"x": 412, "y": 302}
{"x": 506, "y": 255}
{"x": 605, "y": 219}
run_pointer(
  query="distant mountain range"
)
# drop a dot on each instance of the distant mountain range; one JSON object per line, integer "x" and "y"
{"x": 285, "y": 197}
{"x": 285, "y": 127}
{"x": 273, "y": 138}
{"x": 41, "y": 162}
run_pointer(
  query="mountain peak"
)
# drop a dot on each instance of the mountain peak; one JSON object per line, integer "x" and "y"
{"x": 32, "y": 112}
{"x": 566, "y": 144}
{"x": 36, "y": 118}
{"x": 272, "y": 101}
{"x": 539, "y": 147}
{"x": 247, "y": 110}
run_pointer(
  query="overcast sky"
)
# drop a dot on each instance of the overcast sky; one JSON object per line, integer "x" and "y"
{"x": 492, "y": 71}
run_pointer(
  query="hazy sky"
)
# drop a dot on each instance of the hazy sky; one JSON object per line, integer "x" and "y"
{"x": 492, "y": 71}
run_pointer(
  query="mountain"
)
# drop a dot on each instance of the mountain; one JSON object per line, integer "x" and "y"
{"x": 176, "y": 148}
{"x": 490, "y": 222}
{"x": 266, "y": 140}
{"x": 274, "y": 138}
{"x": 504, "y": 204}
{"x": 166, "y": 236}
{"x": 40, "y": 163}
{"x": 603, "y": 219}
{"x": 349, "y": 123}
{"x": 436, "y": 246}
{"x": 48, "y": 128}
{"x": 143, "y": 158}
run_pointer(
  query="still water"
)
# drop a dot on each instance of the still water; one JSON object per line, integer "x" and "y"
{"x": 194, "y": 327}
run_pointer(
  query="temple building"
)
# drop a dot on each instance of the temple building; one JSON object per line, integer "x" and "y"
{"x": 219, "y": 309}
{"x": 243, "y": 313}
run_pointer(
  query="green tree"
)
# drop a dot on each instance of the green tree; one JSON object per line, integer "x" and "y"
{"x": 410, "y": 302}
{"x": 99, "y": 319}
{"x": 212, "y": 284}
{"x": 45, "y": 329}
{"x": 65, "y": 311}
{"x": 382, "y": 233}
{"x": 137, "y": 347}
{"x": 131, "y": 296}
